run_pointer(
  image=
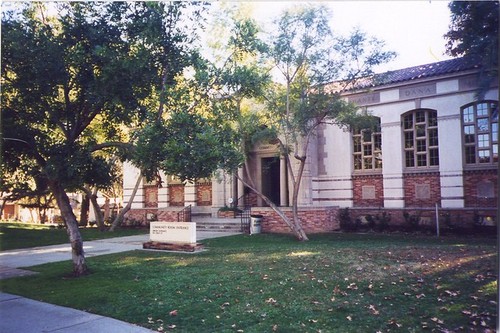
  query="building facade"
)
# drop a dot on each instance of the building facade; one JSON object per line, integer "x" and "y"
{"x": 436, "y": 146}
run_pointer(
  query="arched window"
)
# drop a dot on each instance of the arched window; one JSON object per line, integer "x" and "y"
{"x": 367, "y": 148}
{"x": 420, "y": 135}
{"x": 480, "y": 132}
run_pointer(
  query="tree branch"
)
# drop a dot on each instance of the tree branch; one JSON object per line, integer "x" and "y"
{"x": 117, "y": 144}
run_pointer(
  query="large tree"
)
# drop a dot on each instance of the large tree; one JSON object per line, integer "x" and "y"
{"x": 198, "y": 137}
{"x": 308, "y": 57}
{"x": 72, "y": 83}
{"x": 314, "y": 67}
{"x": 474, "y": 32}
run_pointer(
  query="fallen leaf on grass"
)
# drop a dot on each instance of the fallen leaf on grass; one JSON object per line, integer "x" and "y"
{"x": 373, "y": 310}
{"x": 352, "y": 286}
{"x": 393, "y": 322}
{"x": 452, "y": 293}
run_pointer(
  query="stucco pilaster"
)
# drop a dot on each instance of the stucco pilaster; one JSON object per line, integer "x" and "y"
{"x": 392, "y": 171}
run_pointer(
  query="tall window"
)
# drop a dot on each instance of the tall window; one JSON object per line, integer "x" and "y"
{"x": 480, "y": 132}
{"x": 367, "y": 144}
{"x": 420, "y": 134}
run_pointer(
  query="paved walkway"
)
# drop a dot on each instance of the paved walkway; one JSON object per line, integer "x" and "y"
{"x": 19, "y": 314}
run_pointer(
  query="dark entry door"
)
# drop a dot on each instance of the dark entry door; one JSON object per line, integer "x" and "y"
{"x": 271, "y": 179}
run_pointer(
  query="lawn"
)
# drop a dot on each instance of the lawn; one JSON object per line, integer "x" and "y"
{"x": 22, "y": 235}
{"x": 271, "y": 283}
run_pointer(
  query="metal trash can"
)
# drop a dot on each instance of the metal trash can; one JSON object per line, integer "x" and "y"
{"x": 255, "y": 224}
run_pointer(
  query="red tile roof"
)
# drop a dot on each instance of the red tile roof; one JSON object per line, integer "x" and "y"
{"x": 416, "y": 72}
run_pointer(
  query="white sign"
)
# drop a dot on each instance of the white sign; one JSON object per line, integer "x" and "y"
{"x": 173, "y": 232}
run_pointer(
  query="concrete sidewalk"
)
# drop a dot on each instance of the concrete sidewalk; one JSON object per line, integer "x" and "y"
{"x": 19, "y": 314}
{"x": 11, "y": 261}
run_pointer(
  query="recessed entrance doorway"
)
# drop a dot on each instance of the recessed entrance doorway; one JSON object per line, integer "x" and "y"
{"x": 271, "y": 178}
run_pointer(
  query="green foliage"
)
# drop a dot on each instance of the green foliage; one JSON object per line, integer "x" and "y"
{"x": 71, "y": 83}
{"x": 371, "y": 221}
{"x": 310, "y": 58}
{"x": 347, "y": 223}
{"x": 382, "y": 221}
{"x": 196, "y": 148}
{"x": 230, "y": 209}
{"x": 474, "y": 32}
{"x": 412, "y": 221}
{"x": 474, "y": 29}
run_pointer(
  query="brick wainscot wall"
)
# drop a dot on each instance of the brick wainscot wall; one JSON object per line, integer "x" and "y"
{"x": 314, "y": 219}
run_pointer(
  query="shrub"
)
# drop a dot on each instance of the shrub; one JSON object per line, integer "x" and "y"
{"x": 132, "y": 223}
{"x": 346, "y": 222}
{"x": 230, "y": 209}
{"x": 371, "y": 221}
{"x": 382, "y": 221}
{"x": 446, "y": 220}
{"x": 412, "y": 221}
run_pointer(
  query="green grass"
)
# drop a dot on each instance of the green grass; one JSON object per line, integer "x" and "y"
{"x": 21, "y": 235}
{"x": 272, "y": 283}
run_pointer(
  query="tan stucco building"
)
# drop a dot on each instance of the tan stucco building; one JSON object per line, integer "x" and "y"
{"x": 436, "y": 145}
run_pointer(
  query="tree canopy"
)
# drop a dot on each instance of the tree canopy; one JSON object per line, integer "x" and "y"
{"x": 126, "y": 79}
{"x": 473, "y": 32}
{"x": 75, "y": 85}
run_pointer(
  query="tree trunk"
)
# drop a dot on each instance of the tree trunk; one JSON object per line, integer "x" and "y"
{"x": 119, "y": 218}
{"x": 79, "y": 265}
{"x": 296, "y": 228}
{"x": 84, "y": 212}
{"x": 106, "y": 209}
{"x": 99, "y": 218}
{"x": 2, "y": 206}
{"x": 295, "y": 198}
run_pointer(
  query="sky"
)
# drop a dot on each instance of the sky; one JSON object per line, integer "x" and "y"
{"x": 413, "y": 29}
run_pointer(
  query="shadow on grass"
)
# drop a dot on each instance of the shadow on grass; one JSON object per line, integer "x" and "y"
{"x": 272, "y": 283}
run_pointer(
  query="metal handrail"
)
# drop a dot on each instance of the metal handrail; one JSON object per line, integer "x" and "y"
{"x": 245, "y": 218}
{"x": 245, "y": 199}
{"x": 184, "y": 215}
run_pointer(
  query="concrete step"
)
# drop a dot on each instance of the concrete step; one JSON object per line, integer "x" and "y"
{"x": 199, "y": 219}
{"x": 217, "y": 224}
{"x": 218, "y": 227}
